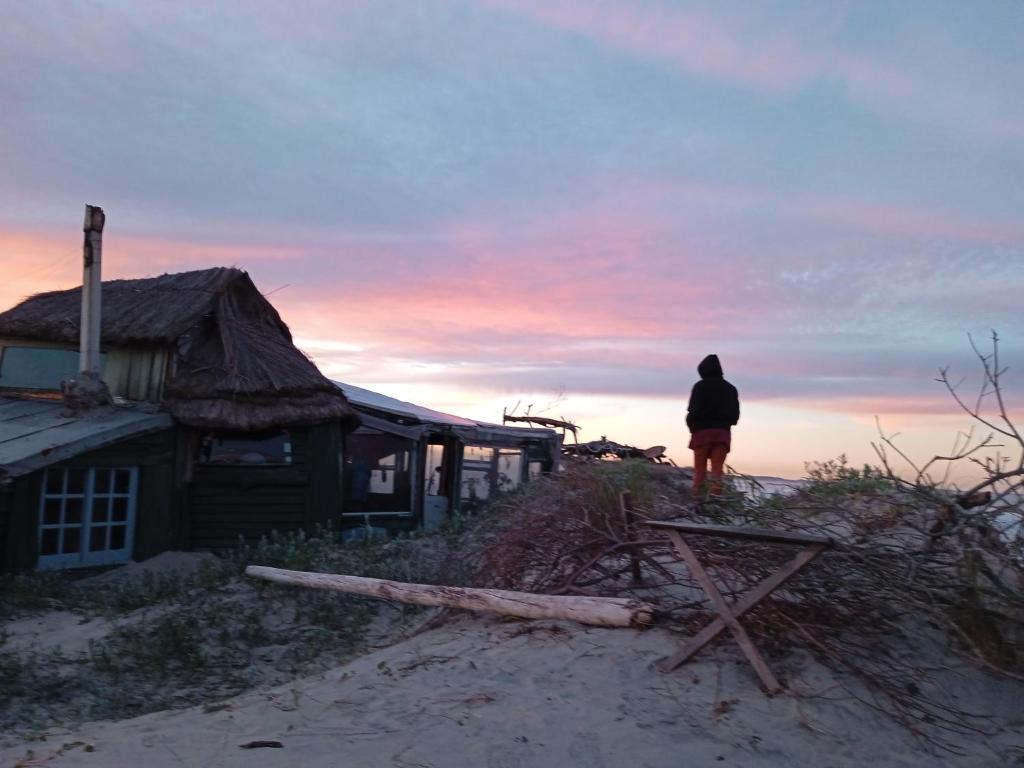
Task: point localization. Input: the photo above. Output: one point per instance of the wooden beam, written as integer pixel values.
(595, 611)
(732, 532)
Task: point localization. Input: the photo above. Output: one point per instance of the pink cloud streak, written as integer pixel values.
(779, 57)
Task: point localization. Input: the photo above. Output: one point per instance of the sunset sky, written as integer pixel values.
(554, 202)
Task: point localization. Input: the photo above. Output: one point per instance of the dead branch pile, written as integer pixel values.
(866, 609)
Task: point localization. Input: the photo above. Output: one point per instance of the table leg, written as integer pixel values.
(771, 685)
(765, 588)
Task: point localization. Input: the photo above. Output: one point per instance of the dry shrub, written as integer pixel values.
(868, 608)
(568, 531)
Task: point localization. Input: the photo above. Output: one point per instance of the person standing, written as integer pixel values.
(713, 409)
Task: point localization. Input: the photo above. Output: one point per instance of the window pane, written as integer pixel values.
(119, 509)
(38, 368)
(76, 481)
(475, 484)
(256, 448)
(100, 508)
(510, 469)
(73, 511)
(477, 453)
(101, 482)
(117, 536)
(98, 538)
(72, 540)
(122, 481)
(432, 478)
(378, 476)
(49, 544)
(54, 481)
(382, 481)
(51, 512)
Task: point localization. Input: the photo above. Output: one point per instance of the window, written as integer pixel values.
(86, 516)
(38, 367)
(477, 473)
(434, 469)
(247, 449)
(486, 471)
(378, 474)
(510, 469)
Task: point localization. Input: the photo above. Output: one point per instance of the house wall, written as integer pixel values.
(137, 373)
(134, 373)
(228, 502)
(157, 526)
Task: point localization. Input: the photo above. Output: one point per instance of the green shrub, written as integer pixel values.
(836, 478)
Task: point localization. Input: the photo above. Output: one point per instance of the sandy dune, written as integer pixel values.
(481, 692)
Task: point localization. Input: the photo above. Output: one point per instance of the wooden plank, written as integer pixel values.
(40, 450)
(11, 408)
(21, 537)
(28, 426)
(156, 519)
(748, 601)
(771, 685)
(323, 462)
(733, 532)
(239, 523)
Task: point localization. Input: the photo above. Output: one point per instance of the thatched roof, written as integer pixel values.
(235, 366)
(152, 309)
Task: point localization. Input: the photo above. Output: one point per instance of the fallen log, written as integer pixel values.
(596, 611)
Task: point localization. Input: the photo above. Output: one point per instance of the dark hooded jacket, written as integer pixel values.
(714, 402)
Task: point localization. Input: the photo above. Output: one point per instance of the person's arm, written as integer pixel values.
(735, 406)
(696, 403)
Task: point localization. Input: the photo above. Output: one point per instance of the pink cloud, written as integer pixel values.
(742, 49)
(779, 56)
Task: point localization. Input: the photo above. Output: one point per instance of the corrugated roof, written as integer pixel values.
(468, 429)
(36, 433)
(378, 402)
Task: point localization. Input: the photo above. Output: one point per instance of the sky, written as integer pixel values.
(563, 206)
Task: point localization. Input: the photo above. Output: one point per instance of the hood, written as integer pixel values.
(709, 367)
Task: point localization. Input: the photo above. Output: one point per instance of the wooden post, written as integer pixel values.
(92, 253)
(629, 526)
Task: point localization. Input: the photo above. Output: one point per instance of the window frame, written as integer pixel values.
(287, 449)
(85, 556)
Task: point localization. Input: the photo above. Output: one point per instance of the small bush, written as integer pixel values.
(836, 478)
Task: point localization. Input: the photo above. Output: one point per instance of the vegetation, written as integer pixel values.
(171, 640)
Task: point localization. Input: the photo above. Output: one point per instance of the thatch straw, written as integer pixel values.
(234, 363)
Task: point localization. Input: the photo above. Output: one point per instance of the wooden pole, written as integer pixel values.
(92, 254)
(595, 611)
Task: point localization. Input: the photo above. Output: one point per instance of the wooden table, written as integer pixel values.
(728, 615)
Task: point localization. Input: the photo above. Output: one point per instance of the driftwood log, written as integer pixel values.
(596, 611)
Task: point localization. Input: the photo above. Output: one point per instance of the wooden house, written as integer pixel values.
(408, 466)
(220, 426)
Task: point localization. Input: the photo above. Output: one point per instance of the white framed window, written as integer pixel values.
(87, 516)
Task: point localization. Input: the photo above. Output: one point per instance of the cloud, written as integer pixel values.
(780, 49)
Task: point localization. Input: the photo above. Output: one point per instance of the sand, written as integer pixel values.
(478, 692)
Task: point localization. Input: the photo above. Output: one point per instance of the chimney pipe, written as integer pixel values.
(92, 254)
